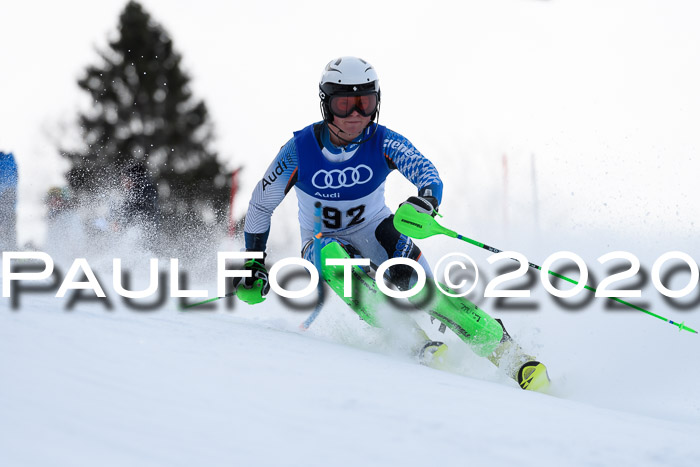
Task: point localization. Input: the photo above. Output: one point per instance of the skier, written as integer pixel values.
(8, 202)
(342, 162)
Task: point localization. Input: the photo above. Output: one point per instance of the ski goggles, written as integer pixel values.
(343, 106)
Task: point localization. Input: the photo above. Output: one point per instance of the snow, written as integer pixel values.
(191, 388)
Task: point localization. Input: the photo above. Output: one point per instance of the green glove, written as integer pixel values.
(253, 289)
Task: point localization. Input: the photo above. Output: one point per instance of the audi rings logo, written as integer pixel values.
(345, 178)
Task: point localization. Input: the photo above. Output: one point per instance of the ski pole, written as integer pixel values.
(209, 300)
(419, 225)
(317, 259)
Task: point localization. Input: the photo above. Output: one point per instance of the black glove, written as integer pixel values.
(253, 289)
(423, 204)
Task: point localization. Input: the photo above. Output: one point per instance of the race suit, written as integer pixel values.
(349, 182)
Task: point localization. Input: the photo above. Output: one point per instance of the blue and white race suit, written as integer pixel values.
(349, 182)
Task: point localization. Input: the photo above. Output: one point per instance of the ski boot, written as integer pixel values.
(432, 354)
(530, 374)
(427, 351)
(533, 376)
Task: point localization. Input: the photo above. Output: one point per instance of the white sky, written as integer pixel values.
(605, 93)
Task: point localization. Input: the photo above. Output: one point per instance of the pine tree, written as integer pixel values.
(143, 112)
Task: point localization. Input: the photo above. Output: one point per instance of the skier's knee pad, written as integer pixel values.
(398, 245)
(365, 297)
(473, 325)
(486, 332)
(337, 250)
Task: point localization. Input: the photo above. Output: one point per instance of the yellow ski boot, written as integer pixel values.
(533, 377)
(432, 354)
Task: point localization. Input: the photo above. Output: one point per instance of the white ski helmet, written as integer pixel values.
(347, 76)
